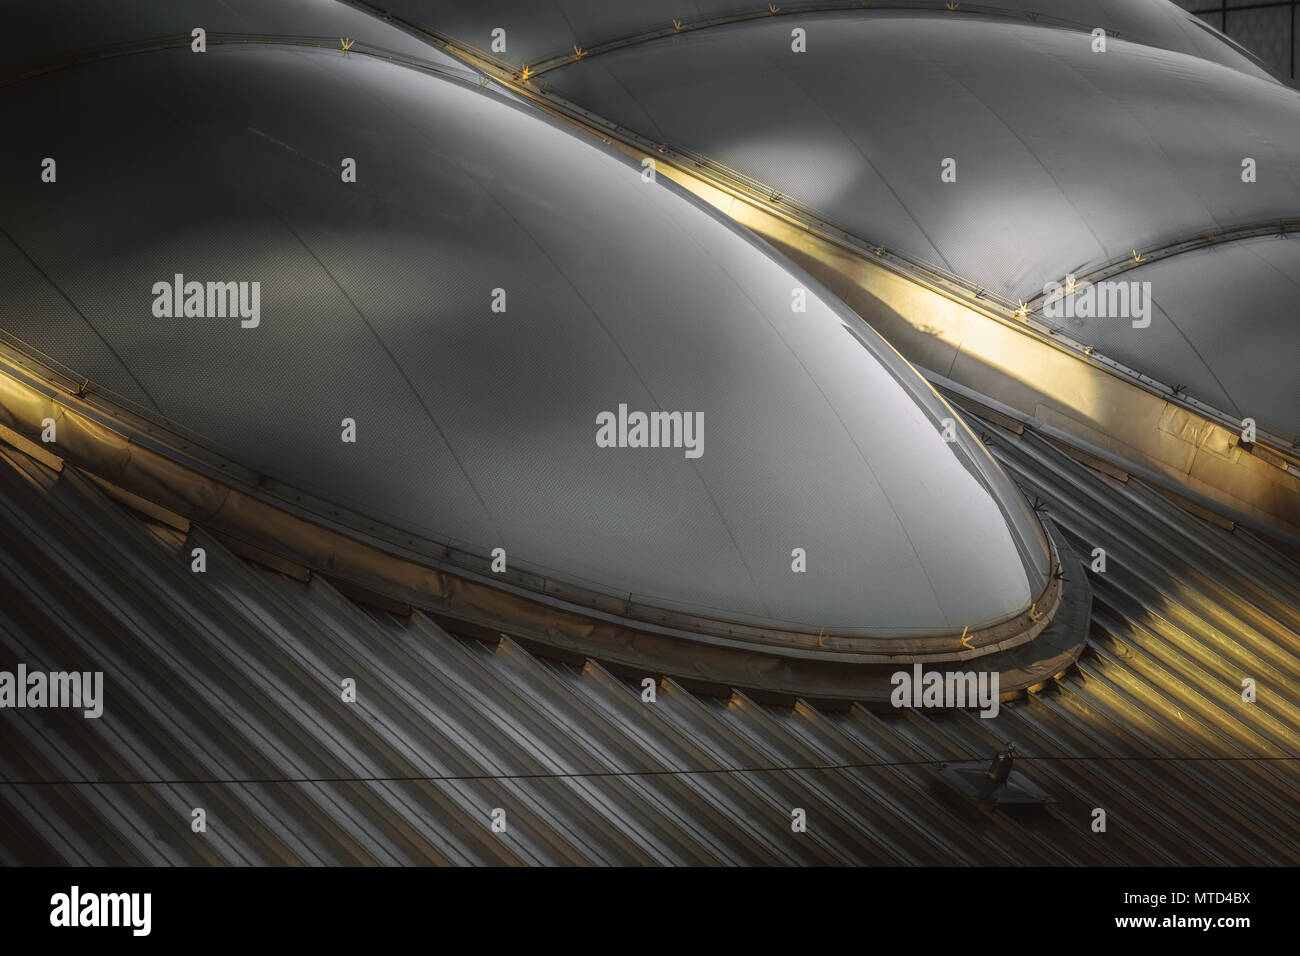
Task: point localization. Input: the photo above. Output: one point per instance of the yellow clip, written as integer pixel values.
(965, 641)
(578, 52)
(677, 26)
(346, 45)
(1022, 310)
(773, 8)
(1138, 258)
(526, 72)
(951, 4)
(1033, 613)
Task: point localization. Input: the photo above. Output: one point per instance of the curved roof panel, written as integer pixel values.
(51, 32)
(537, 31)
(1223, 325)
(477, 427)
(1066, 160)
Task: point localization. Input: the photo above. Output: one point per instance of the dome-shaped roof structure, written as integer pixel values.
(535, 33)
(478, 427)
(1222, 327)
(1066, 161)
(54, 33)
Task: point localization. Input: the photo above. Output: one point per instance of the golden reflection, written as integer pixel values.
(1025, 370)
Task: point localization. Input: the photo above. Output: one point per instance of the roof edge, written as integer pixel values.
(166, 471)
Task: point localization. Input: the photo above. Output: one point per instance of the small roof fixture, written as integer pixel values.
(996, 784)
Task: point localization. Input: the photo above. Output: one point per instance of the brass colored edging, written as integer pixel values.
(940, 325)
(252, 525)
(938, 332)
(745, 199)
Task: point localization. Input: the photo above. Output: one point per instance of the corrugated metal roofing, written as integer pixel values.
(222, 687)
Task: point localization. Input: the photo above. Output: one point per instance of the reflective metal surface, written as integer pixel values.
(1221, 328)
(539, 33)
(223, 688)
(1064, 158)
(1084, 398)
(478, 428)
(52, 33)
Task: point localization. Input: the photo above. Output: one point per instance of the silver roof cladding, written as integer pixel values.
(477, 427)
(1223, 326)
(50, 33)
(535, 31)
(1066, 160)
(234, 676)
